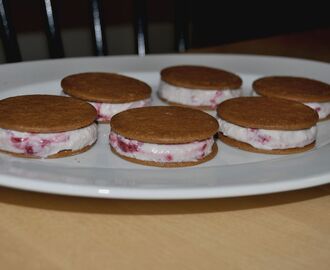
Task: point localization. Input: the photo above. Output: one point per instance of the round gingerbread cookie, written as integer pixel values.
(198, 86)
(313, 93)
(109, 93)
(267, 125)
(46, 126)
(164, 136)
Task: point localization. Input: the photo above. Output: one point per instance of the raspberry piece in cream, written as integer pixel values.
(46, 144)
(109, 93)
(313, 93)
(322, 108)
(105, 111)
(198, 86)
(161, 152)
(268, 139)
(164, 136)
(46, 126)
(267, 125)
(196, 97)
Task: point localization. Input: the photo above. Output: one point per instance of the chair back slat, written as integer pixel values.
(181, 25)
(97, 28)
(8, 34)
(53, 34)
(54, 39)
(140, 27)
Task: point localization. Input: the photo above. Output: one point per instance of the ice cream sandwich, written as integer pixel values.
(267, 125)
(164, 136)
(313, 93)
(109, 93)
(46, 126)
(198, 86)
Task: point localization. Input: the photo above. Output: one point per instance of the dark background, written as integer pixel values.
(212, 22)
(219, 22)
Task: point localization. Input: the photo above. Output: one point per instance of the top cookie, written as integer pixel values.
(105, 87)
(293, 88)
(200, 77)
(45, 113)
(164, 124)
(267, 113)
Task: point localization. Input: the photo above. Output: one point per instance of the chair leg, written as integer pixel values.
(140, 27)
(8, 34)
(54, 39)
(97, 28)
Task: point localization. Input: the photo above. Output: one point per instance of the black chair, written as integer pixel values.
(53, 33)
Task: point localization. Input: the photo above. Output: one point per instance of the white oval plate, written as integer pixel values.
(98, 173)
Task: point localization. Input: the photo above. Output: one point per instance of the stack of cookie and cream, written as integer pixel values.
(279, 118)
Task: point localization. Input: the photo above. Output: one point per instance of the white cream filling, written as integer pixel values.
(105, 111)
(195, 97)
(46, 144)
(322, 108)
(268, 139)
(161, 152)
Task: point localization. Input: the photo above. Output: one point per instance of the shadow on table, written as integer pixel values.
(136, 207)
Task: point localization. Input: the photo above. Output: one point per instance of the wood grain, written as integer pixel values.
(283, 231)
(313, 45)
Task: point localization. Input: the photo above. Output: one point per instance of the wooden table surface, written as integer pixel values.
(289, 230)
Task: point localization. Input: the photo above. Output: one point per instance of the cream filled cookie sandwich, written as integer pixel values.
(267, 125)
(313, 93)
(198, 86)
(46, 126)
(109, 93)
(164, 136)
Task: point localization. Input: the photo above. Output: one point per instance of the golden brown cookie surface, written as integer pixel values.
(267, 113)
(200, 77)
(105, 87)
(45, 113)
(293, 88)
(164, 124)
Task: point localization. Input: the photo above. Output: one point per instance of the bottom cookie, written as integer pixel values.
(250, 148)
(325, 119)
(64, 153)
(170, 164)
(203, 108)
